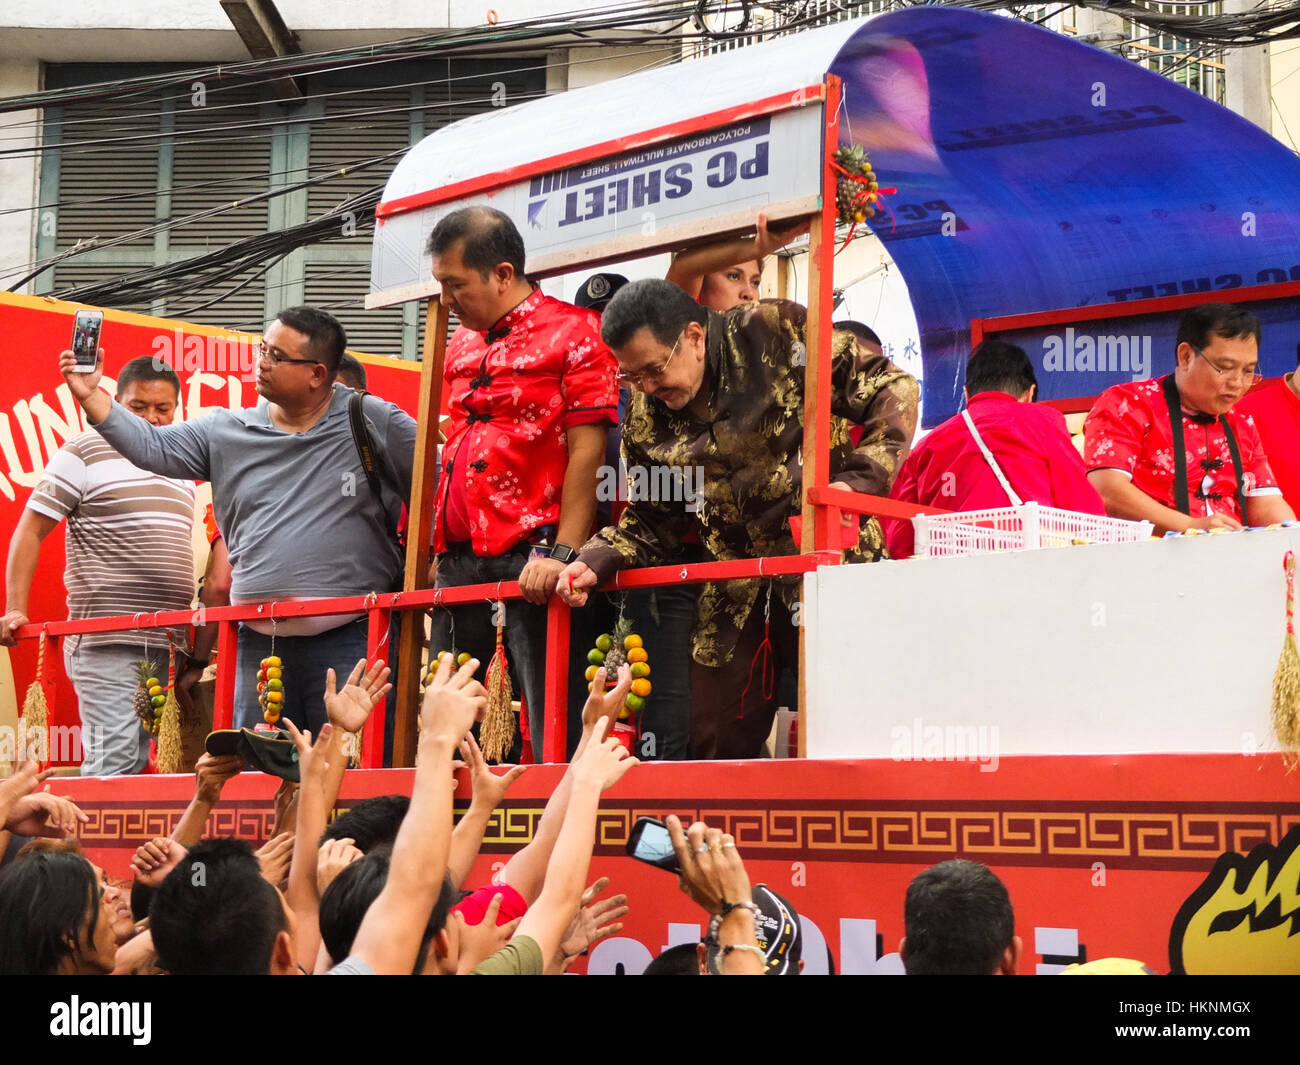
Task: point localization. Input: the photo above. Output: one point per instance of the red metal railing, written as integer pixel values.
(379, 609)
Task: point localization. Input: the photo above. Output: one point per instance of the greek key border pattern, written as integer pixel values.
(1156, 837)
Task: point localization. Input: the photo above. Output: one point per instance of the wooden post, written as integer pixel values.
(419, 533)
(818, 535)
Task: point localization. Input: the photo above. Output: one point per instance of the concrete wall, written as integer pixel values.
(18, 173)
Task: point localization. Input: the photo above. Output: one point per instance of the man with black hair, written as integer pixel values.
(288, 488)
(530, 396)
(369, 823)
(345, 902)
(351, 373)
(1275, 410)
(215, 914)
(958, 922)
(720, 399)
(1204, 468)
(112, 507)
(1003, 449)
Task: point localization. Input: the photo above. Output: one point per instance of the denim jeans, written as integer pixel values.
(663, 617)
(305, 660)
(470, 628)
(112, 738)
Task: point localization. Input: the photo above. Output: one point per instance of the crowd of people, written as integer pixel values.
(692, 378)
(382, 888)
(689, 373)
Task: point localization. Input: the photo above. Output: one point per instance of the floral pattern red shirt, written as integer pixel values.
(1128, 430)
(510, 402)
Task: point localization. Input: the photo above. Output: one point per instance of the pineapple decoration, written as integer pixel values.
(611, 652)
(858, 195)
(150, 697)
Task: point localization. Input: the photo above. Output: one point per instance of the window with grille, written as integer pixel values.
(155, 180)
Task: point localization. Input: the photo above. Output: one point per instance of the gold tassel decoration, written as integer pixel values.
(497, 733)
(36, 709)
(170, 753)
(1286, 681)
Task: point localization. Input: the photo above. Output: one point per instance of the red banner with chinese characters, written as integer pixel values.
(38, 415)
(1103, 856)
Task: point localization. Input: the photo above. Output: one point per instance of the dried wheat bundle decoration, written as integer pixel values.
(1286, 681)
(170, 754)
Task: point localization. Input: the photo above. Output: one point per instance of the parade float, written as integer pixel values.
(1092, 720)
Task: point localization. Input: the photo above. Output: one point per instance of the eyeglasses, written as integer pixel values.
(636, 377)
(276, 356)
(1251, 377)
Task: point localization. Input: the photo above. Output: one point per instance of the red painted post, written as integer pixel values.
(223, 711)
(555, 743)
(372, 743)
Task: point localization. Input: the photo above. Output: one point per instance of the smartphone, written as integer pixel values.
(651, 843)
(86, 327)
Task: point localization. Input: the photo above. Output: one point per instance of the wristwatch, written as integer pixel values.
(563, 553)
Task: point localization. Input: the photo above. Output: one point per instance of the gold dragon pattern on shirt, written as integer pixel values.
(750, 454)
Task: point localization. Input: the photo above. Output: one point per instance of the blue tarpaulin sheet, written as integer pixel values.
(1035, 172)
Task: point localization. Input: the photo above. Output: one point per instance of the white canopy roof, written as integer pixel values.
(570, 121)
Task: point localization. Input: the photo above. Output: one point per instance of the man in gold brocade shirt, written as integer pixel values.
(719, 415)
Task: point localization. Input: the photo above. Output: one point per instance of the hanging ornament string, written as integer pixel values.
(497, 733)
(270, 682)
(762, 659)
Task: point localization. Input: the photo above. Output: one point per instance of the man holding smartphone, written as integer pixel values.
(291, 497)
(112, 508)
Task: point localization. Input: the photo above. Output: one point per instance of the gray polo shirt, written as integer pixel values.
(299, 517)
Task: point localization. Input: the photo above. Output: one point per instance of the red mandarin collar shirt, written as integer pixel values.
(1128, 430)
(1275, 410)
(510, 402)
(1030, 443)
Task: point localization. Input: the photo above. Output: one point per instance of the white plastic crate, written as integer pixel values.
(1022, 528)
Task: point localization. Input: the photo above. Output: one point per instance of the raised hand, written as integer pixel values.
(453, 702)
(211, 773)
(603, 761)
(313, 758)
(334, 856)
(606, 704)
(350, 708)
(711, 870)
(489, 789)
(593, 922)
(81, 385)
(274, 856)
(482, 940)
(155, 859)
(43, 814)
(23, 782)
